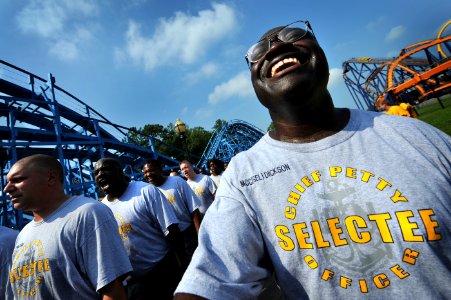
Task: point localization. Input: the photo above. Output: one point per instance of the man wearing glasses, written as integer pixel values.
(311, 204)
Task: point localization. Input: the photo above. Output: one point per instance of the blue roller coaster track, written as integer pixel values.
(37, 116)
(232, 138)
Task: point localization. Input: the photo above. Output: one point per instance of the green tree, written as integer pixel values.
(167, 142)
(219, 124)
(197, 140)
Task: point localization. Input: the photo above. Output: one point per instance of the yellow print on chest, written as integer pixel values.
(198, 191)
(27, 272)
(169, 196)
(124, 228)
(344, 222)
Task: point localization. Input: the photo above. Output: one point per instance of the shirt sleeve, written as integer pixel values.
(228, 263)
(192, 201)
(100, 246)
(160, 208)
(211, 186)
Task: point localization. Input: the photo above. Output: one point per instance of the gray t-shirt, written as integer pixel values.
(7, 240)
(204, 188)
(182, 199)
(71, 254)
(363, 213)
(143, 216)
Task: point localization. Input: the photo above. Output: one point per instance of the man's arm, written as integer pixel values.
(113, 291)
(196, 220)
(175, 239)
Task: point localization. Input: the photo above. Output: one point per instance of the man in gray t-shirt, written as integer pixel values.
(148, 227)
(202, 185)
(7, 240)
(70, 250)
(182, 199)
(336, 203)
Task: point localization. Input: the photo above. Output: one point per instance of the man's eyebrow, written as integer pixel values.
(16, 177)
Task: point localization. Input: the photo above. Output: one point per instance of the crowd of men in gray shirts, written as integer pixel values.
(67, 250)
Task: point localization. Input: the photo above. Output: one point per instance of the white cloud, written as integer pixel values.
(377, 24)
(395, 33)
(61, 23)
(181, 39)
(335, 77)
(204, 113)
(206, 71)
(64, 50)
(238, 86)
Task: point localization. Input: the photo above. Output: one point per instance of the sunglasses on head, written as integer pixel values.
(287, 34)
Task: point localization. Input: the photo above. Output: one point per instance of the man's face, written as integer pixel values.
(214, 168)
(187, 170)
(152, 173)
(25, 187)
(108, 176)
(290, 73)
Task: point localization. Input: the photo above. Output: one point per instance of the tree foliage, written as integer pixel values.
(219, 124)
(166, 141)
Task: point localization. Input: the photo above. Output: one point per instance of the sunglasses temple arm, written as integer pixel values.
(309, 27)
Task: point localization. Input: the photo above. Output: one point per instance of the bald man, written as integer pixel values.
(61, 253)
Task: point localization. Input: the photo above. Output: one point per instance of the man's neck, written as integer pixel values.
(310, 129)
(114, 195)
(160, 181)
(52, 206)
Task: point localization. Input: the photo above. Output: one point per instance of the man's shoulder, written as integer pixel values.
(7, 234)
(206, 178)
(175, 181)
(410, 129)
(138, 188)
(85, 205)
(139, 184)
(199, 177)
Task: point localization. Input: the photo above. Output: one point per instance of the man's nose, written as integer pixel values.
(7, 188)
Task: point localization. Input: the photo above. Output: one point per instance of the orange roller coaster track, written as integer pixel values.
(422, 70)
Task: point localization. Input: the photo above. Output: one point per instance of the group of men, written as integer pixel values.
(73, 241)
(308, 205)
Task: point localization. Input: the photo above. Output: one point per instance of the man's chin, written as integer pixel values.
(106, 189)
(17, 205)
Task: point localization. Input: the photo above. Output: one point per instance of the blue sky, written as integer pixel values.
(152, 61)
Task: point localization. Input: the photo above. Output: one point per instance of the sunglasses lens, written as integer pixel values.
(291, 35)
(258, 50)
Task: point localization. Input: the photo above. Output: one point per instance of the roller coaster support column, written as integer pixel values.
(53, 104)
(99, 137)
(12, 149)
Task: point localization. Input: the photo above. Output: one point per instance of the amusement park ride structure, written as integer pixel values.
(37, 116)
(421, 71)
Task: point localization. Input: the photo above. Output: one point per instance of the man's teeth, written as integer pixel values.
(276, 67)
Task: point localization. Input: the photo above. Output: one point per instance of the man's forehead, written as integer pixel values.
(106, 163)
(271, 32)
(13, 171)
(17, 169)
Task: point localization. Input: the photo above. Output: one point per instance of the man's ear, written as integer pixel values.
(52, 177)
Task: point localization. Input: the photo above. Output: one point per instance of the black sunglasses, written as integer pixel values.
(287, 34)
